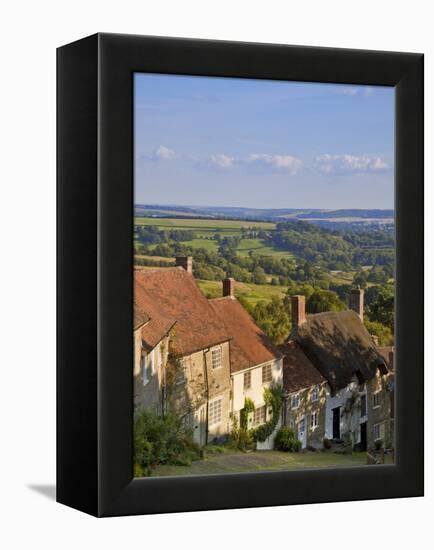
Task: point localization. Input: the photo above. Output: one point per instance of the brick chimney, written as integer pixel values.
(186, 262)
(298, 310)
(355, 301)
(228, 287)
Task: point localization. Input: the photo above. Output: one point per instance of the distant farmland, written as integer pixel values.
(205, 229)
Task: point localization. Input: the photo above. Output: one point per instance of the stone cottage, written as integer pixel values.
(342, 350)
(190, 348)
(255, 363)
(380, 403)
(306, 396)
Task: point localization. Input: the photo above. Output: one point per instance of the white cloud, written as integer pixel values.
(164, 153)
(348, 90)
(222, 161)
(160, 153)
(341, 164)
(286, 163)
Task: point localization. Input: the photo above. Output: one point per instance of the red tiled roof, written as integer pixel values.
(298, 371)
(171, 297)
(140, 318)
(249, 345)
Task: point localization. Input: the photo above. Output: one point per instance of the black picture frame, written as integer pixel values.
(95, 294)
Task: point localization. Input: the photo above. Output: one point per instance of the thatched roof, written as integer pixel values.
(339, 346)
(298, 372)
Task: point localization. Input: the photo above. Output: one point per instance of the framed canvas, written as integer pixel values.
(240, 275)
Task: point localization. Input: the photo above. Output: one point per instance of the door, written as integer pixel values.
(302, 434)
(199, 433)
(363, 436)
(336, 423)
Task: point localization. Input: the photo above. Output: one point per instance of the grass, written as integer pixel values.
(212, 225)
(230, 461)
(251, 292)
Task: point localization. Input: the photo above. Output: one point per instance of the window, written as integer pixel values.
(295, 401)
(216, 357)
(363, 405)
(144, 366)
(378, 431)
(315, 393)
(247, 380)
(215, 412)
(266, 374)
(259, 415)
(376, 398)
(314, 420)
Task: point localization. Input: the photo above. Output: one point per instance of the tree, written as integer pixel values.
(259, 276)
(383, 310)
(324, 300)
(383, 333)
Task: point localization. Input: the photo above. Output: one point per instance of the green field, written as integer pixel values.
(231, 462)
(206, 229)
(251, 292)
(211, 225)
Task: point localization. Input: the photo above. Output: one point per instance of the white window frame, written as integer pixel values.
(295, 400)
(262, 413)
(144, 367)
(376, 399)
(249, 375)
(315, 394)
(216, 353)
(314, 420)
(267, 368)
(215, 408)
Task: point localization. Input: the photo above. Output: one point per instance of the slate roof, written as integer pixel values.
(249, 345)
(172, 299)
(339, 346)
(298, 371)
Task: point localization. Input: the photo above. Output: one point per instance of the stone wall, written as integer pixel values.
(313, 436)
(380, 409)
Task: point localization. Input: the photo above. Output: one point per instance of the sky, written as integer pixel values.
(208, 141)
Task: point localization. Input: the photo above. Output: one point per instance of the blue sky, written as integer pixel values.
(262, 144)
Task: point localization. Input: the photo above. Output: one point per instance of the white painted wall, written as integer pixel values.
(256, 391)
(348, 422)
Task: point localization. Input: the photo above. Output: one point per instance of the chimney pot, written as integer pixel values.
(228, 287)
(355, 301)
(185, 262)
(298, 310)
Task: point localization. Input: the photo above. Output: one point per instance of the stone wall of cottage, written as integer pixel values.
(380, 412)
(314, 436)
(148, 386)
(219, 391)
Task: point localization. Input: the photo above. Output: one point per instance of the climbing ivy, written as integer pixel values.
(273, 398)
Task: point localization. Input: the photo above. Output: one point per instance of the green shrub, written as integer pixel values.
(378, 444)
(161, 440)
(287, 441)
(327, 443)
